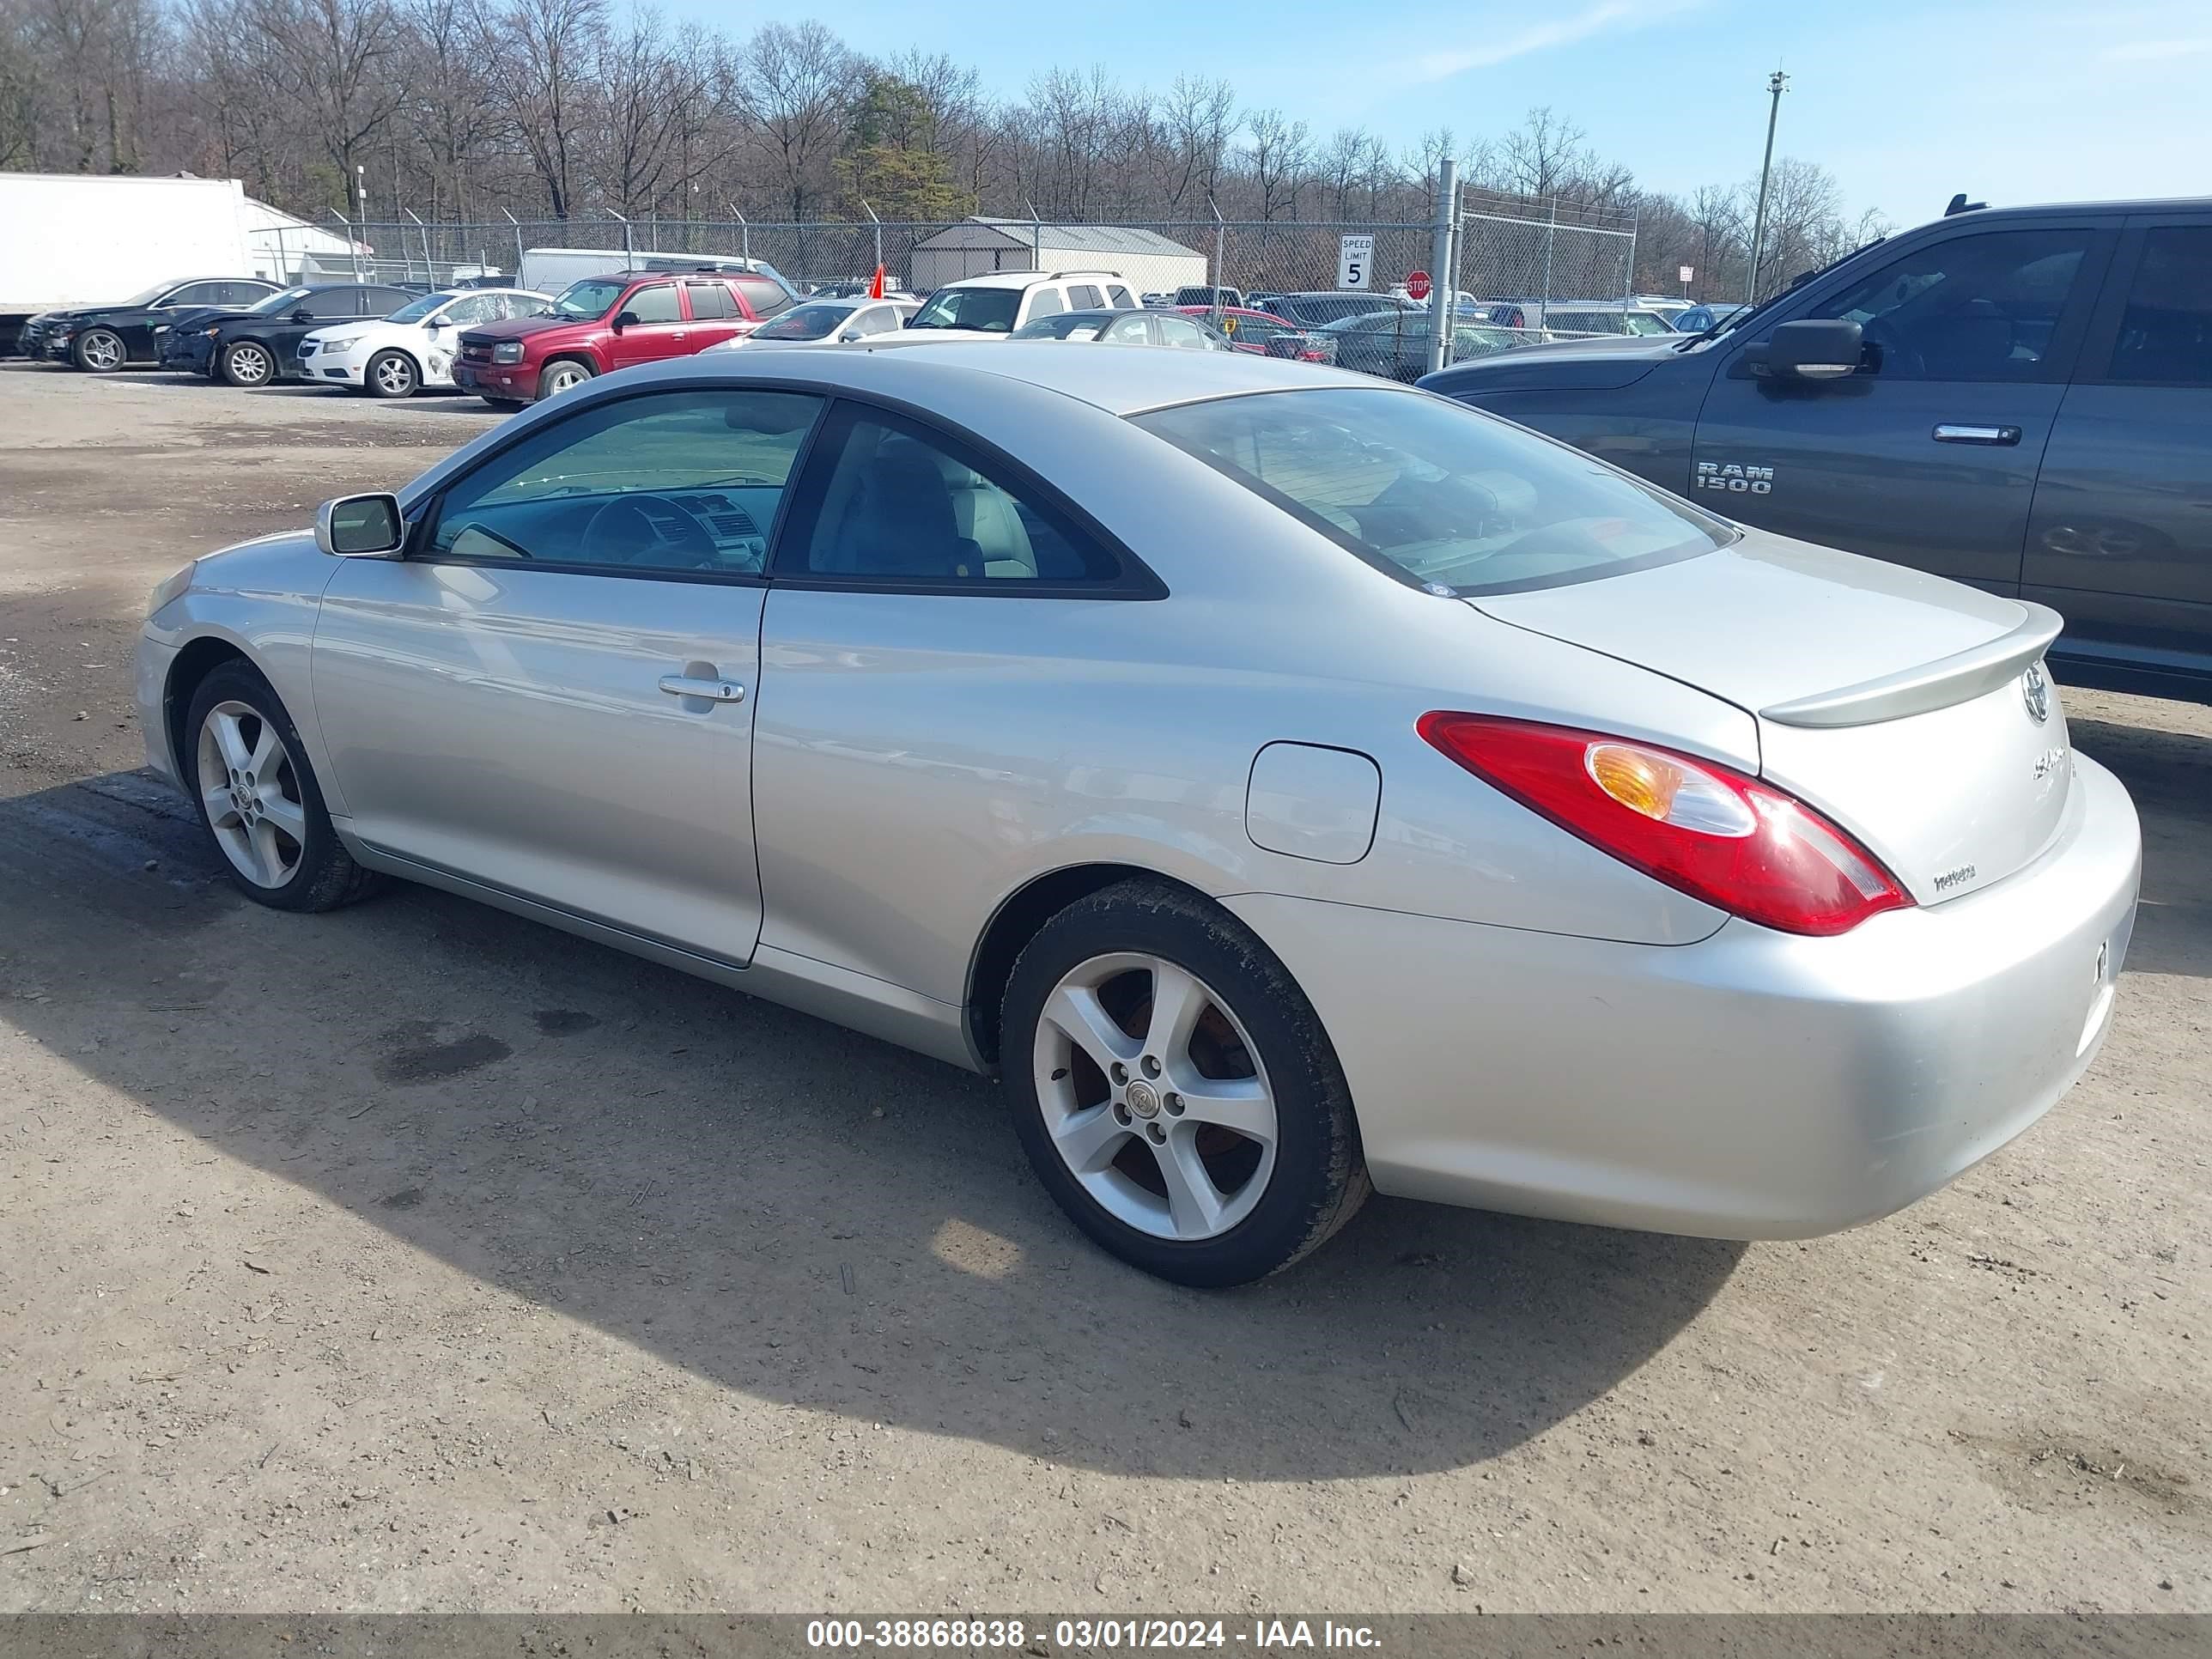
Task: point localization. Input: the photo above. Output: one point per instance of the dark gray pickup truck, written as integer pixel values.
(2020, 398)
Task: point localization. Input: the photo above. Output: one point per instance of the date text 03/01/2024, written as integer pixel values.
(1256, 1636)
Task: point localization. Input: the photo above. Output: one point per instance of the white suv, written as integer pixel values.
(991, 306)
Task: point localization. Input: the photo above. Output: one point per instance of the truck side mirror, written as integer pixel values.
(624, 319)
(1817, 348)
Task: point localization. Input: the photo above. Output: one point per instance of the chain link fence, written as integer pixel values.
(1522, 271)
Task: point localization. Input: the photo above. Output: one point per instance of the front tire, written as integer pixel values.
(246, 364)
(562, 376)
(1174, 1090)
(99, 351)
(391, 375)
(249, 776)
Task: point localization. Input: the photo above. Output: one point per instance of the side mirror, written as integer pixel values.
(359, 526)
(849, 335)
(1818, 349)
(436, 324)
(301, 314)
(624, 319)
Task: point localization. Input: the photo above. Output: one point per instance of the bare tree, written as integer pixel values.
(1278, 156)
(795, 84)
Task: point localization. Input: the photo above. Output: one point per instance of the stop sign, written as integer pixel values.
(1417, 284)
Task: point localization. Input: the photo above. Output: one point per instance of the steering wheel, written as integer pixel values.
(623, 532)
(1896, 351)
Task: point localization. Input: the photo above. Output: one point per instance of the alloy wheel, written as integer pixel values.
(251, 791)
(561, 377)
(1154, 1096)
(248, 364)
(395, 376)
(102, 351)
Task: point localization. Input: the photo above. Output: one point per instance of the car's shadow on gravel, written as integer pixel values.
(789, 1210)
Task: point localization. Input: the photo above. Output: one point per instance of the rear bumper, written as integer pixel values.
(1754, 1084)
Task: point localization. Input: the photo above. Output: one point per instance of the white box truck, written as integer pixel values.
(71, 239)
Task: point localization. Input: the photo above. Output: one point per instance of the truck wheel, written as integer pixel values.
(99, 351)
(246, 363)
(562, 376)
(391, 374)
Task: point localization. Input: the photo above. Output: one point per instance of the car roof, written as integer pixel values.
(1117, 382)
(1028, 278)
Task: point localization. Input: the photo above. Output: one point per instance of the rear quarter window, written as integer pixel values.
(1435, 493)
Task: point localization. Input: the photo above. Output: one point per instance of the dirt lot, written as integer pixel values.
(418, 1257)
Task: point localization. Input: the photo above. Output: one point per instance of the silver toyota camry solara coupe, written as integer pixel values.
(1289, 782)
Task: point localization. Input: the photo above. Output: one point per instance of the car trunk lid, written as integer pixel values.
(1903, 706)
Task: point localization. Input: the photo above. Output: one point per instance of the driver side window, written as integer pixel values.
(1971, 307)
(670, 481)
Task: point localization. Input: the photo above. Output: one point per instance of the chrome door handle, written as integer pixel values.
(1950, 433)
(682, 685)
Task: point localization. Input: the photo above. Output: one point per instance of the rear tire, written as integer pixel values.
(256, 797)
(391, 375)
(1211, 1148)
(99, 351)
(564, 375)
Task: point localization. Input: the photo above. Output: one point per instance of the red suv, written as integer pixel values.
(1265, 335)
(610, 322)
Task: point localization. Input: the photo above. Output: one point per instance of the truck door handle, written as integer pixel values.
(684, 685)
(1950, 433)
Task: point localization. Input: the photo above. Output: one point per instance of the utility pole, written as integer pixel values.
(1776, 84)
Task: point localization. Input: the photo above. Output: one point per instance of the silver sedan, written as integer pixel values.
(1287, 782)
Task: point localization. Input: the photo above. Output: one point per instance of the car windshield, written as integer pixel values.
(416, 310)
(1433, 492)
(282, 300)
(589, 298)
(991, 309)
(806, 323)
(148, 297)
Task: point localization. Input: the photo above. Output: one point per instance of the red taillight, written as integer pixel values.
(1714, 832)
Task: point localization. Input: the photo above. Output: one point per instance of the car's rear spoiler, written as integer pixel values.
(1937, 684)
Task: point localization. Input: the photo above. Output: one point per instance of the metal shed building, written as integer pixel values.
(1148, 261)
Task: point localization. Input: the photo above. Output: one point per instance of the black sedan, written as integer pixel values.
(1395, 343)
(100, 339)
(258, 347)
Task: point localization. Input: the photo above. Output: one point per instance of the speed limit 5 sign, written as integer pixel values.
(1355, 256)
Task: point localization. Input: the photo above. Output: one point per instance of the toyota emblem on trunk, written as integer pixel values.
(2035, 690)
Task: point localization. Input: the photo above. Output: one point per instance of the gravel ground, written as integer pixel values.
(418, 1257)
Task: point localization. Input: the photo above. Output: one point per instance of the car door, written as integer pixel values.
(1176, 330)
(925, 590)
(1926, 455)
(442, 332)
(2120, 539)
(552, 694)
(653, 327)
(714, 314)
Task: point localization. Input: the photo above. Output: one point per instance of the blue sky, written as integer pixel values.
(2013, 100)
